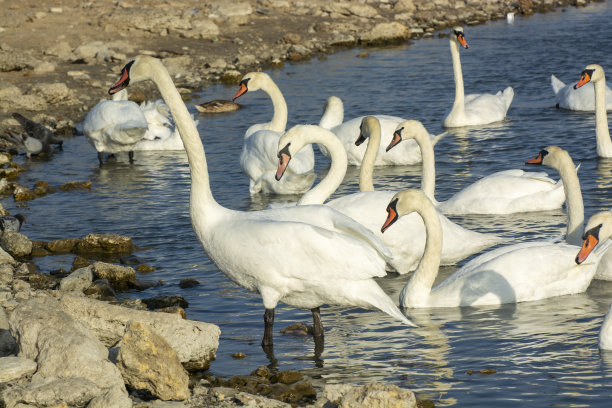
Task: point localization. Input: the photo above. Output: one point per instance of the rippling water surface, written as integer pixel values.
(545, 353)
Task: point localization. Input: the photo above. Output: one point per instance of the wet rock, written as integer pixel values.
(148, 362)
(140, 284)
(8, 345)
(51, 392)
(61, 345)
(195, 342)
(104, 243)
(173, 309)
(373, 395)
(22, 193)
(165, 301)
(115, 398)
(78, 280)
(76, 185)
(188, 283)
(299, 392)
(257, 401)
(238, 356)
(42, 281)
(79, 262)
(134, 304)
(297, 329)
(287, 377)
(130, 260)
(15, 368)
(142, 268)
(62, 246)
(118, 276)
(16, 244)
(100, 289)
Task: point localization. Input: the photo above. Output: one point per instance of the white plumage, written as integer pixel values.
(581, 99)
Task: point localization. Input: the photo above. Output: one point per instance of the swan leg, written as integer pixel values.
(317, 325)
(100, 158)
(131, 156)
(268, 323)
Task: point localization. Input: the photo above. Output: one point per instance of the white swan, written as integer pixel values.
(503, 192)
(114, 126)
(598, 230)
(582, 99)
(258, 156)
(366, 207)
(595, 73)
(473, 109)
(304, 256)
(510, 274)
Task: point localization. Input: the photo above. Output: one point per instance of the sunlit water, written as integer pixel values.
(545, 353)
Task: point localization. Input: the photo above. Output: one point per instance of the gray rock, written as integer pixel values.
(115, 398)
(373, 395)
(195, 342)
(62, 346)
(384, 33)
(105, 243)
(230, 9)
(257, 401)
(116, 274)
(148, 362)
(44, 67)
(15, 368)
(404, 5)
(6, 272)
(51, 392)
(8, 345)
(61, 49)
(205, 29)
(16, 244)
(78, 280)
(55, 93)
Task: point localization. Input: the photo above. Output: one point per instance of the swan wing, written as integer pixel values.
(556, 84)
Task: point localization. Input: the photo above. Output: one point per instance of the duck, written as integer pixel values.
(258, 155)
(348, 131)
(581, 99)
(473, 109)
(303, 256)
(597, 230)
(407, 242)
(521, 272)
(504, 192)
(595, 73)
(114, 126)
(218, 106)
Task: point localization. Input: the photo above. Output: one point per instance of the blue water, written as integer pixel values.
(545, 353)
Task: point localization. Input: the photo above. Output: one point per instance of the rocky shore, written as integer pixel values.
(65, 339)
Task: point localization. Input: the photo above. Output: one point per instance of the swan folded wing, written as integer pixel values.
(556, 84)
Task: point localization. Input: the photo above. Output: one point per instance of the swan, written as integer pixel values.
(503, 192)
(515, 273)
(117, 125)
(595, 73)
(258, 156)
(407, 242)
(473, 109)
(567, 97)
(304, 256)
(598, 229)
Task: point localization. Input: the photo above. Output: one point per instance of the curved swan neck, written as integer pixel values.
(602, 132)
(332, 180)
(366, 172)
(428, 178)
(573, 200)
(418, 288)
(200, 183)
(459, 91)
(279, 119)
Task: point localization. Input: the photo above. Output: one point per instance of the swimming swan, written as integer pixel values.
(510, 274)
(304, 256)
(258, 156)
(408, 240)
(595, 73)
(473, 109)
(581, 99)
(503, 192)
(598, 230)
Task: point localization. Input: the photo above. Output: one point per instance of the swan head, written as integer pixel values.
(591, 73)
(458, 36)
(598, 229)
(137, 70)
(253, 81)
(405, 130)
(403, 203)
(551, 156)
(369, 127)
(292, 141)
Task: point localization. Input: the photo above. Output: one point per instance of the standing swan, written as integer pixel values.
(408, 240)
(510, 274)
(598, 229)
(473, 109)
(595, 73)
(503, 192)
(304, 256)
(258, 156)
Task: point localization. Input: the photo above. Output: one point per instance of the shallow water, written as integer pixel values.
(545, 353)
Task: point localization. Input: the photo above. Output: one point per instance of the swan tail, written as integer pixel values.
(556, 84)
(384, 303)
(508, 95)
(437, 138)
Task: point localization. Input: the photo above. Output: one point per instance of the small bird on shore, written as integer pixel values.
(38, 131)
(28, 144)
(12, 223)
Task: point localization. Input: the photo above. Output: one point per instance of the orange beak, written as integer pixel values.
(391, 216)
(462, 40)
(536, 160)
(283, 162)
(123, 81)
(241, 91)
(584, 79)
(587, 247)
(397, 137)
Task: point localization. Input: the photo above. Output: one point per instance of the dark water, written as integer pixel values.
(545, 353)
